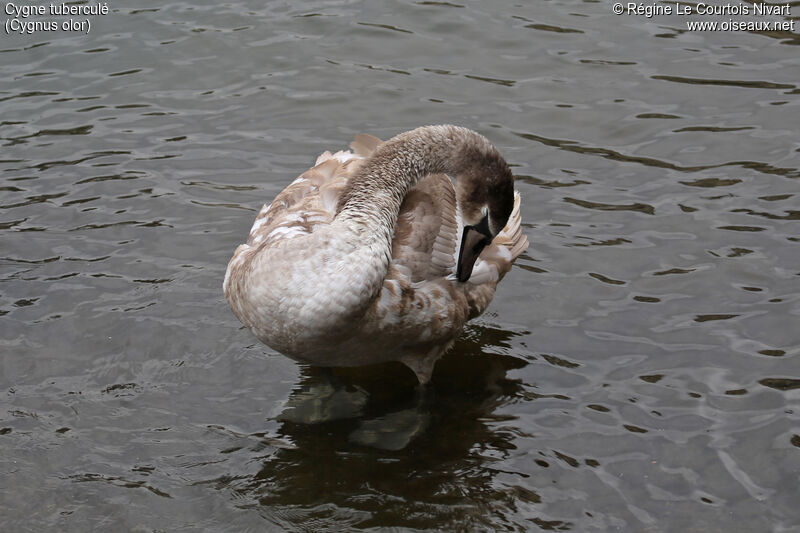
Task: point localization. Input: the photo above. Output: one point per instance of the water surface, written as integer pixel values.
(639, 369)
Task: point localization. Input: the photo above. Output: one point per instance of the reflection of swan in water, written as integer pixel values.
(388, 455)
(328, 399)
(386, 416)
(334, 461)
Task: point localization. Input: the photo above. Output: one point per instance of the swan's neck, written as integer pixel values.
(373, 196)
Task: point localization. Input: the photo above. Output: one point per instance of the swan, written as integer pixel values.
(375, 255)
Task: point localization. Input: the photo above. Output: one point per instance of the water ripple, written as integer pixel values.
(643, 350)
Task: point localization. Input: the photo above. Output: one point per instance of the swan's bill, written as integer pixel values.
(473, 240)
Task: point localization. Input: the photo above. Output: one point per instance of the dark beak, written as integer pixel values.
(473, 241)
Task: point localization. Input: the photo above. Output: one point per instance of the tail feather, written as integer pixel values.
(364, 144)
(511, 236)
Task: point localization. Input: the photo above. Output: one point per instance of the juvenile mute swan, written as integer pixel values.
(375, 256)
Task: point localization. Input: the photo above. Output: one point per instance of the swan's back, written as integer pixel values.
(310, 200)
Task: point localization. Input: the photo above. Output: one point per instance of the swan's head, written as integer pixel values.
(484, 183)
(485, 190)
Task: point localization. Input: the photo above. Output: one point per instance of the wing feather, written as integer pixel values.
(310, 200)
(426, 230)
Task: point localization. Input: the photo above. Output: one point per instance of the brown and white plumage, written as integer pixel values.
(358, 260)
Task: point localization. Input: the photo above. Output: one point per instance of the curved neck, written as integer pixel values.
(373, 196)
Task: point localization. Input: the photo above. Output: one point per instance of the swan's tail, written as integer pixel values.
(511, 236)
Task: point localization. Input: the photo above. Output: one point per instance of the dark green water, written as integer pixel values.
(639, 369)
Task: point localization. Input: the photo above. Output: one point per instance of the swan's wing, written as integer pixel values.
(425, 235)
(312, 198)
(417, 303)
(307, 202)
(436, 307)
